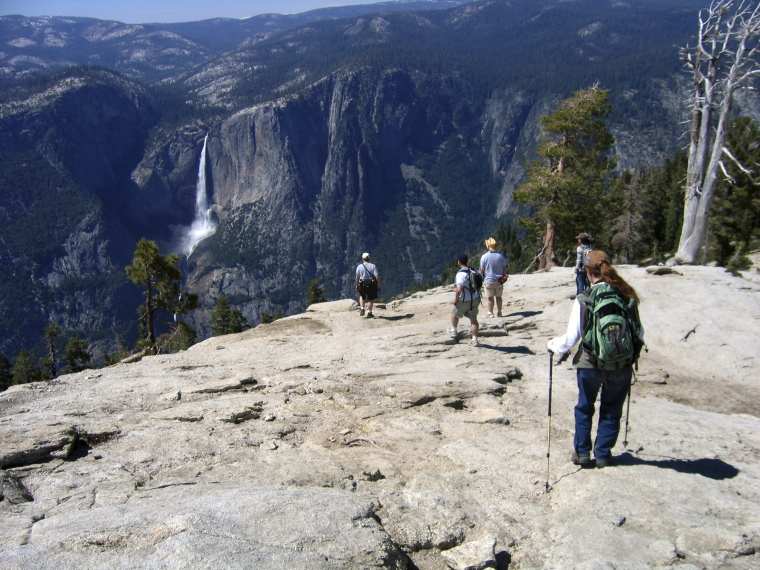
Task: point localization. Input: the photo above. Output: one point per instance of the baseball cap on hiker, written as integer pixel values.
(365, 255)
(594, 258)
(462, 258)
(491, 244)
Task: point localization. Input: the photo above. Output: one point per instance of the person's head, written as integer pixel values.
(599, 268)
(463, 259)
(365, 256)
(583, 238)
(491, 244)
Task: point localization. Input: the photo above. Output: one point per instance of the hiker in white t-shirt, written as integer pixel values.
(367, 280)
(493, 267)
(465, 303)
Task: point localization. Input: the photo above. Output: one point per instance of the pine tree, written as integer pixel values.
(626, 228)
(569, 187)
(25, 368)
(225, 319)
(76, 355)
(314, 292)
(50, 362)
(736, 210)
(160, 277)
(6, 373)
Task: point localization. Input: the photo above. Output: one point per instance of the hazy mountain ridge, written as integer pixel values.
(149, 51)
(380, 133)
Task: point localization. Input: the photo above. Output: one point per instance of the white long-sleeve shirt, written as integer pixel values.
(563, 344)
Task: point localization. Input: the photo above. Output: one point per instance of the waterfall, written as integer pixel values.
(203, 224)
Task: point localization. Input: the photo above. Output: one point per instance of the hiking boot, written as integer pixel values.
(489, 315)
(602, 463)
(370, 315)
(453, 333)
(498, 314)
(361, 312)
(582, 460)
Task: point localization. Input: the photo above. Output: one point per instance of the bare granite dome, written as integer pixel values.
(324, 440)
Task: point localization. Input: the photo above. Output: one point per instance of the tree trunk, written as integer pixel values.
(547, 260)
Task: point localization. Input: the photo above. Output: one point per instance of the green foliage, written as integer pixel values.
(50, 362)
(122, 351)
(6, 373)
(569, 189)
(735, 214)
(25, 368)
(181, 337)
(160, 277)
(314, 292)
(267, 317)
(225, 319)
(77, 355)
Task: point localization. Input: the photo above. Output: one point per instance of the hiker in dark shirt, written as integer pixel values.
(614, 384)
(367, 280)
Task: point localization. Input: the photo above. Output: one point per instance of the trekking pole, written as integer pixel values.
(549, 431)
(627, 412)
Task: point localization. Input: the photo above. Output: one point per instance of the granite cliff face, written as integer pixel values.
(305, 184)
(68, 151)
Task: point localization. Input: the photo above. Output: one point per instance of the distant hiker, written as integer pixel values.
(606, 321)
(583, 246)
(466, 299)
(493, 266)
(367, 284)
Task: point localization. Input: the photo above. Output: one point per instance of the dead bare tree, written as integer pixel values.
(724, 61)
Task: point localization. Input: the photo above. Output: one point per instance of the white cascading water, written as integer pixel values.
(203, 225)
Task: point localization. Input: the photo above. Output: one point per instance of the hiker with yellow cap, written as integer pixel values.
(493, 267)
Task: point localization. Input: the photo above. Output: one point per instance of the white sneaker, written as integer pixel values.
(474, 341)
(489, 314)
(453, 333)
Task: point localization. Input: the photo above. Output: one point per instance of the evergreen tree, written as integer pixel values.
(77, 355)
(25, 368)
(736, 210)
(314, 292)
(225, 319)
(181, 337)
(160, 277)
(626, 228)
(6, 373)
(267, 317)
(569, 187)
(50, 361)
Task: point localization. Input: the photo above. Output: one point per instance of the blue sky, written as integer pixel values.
(147, 11)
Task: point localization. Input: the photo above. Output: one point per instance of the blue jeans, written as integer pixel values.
(614, 392)
(581, 283)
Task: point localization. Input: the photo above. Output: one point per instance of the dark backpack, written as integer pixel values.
(611, 333)
(474, 283)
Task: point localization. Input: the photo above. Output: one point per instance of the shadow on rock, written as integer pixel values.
(398, 318)
(509, 349)
(710, 468)
(524, 314)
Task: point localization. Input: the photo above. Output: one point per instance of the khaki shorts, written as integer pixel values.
(462, 310)
(494, 290)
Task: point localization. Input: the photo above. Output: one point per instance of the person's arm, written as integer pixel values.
(578, 259)
(377, 278)
(563, 344)
(457, 293)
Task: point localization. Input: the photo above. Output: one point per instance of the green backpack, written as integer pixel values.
(611, 335)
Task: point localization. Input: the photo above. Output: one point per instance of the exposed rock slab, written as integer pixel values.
(324, 440)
